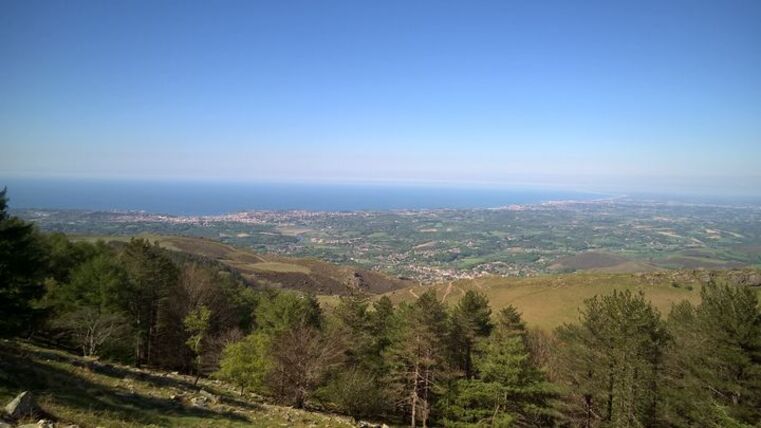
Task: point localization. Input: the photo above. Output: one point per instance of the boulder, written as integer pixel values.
(21, 406)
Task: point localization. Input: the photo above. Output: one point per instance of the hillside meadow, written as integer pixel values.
(548, 301)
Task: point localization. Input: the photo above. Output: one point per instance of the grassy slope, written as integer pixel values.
(548, 301)
(303, 274)
(545, 301)
(78, 391)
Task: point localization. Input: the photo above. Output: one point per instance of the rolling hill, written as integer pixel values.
(308, 275)
(546, 301)
(550, 300)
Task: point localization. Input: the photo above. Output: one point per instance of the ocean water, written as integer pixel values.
(210, 198)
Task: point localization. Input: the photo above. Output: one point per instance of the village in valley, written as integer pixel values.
(617, 235)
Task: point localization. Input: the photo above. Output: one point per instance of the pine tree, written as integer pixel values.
(354, 320)
(714, 367)
(287, 309)
(23, 264)
(612, 362)
(152, 278)
(471, 321)
(417, 357)
(507, 389)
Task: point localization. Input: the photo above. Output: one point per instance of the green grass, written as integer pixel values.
(72, 390)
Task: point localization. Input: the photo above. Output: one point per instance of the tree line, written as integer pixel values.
(422, 363)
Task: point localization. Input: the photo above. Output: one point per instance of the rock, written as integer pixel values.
(209, 395)
(200, 402)
(22, 405)
(5, 425)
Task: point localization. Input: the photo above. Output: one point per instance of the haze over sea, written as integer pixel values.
(211, 198)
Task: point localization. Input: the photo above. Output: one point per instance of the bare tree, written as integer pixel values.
(91, 328)
(302, 356)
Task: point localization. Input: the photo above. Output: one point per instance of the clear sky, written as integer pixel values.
(654, 95)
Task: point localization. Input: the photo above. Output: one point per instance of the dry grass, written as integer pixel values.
(304, 274)
(280, 267)
(549, 301)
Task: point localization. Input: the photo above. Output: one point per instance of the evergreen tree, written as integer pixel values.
(354, 320)
(86, 307)
(508, 390)
(417, 357)
(612, 362)
(152, 280)
(287, 309)
(471, 321)
(23, 264)
(381, 324)
(95, 283)
(714, 367)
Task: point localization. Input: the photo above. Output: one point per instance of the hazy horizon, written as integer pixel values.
(592, 96)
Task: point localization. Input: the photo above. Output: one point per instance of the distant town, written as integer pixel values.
(617, 235)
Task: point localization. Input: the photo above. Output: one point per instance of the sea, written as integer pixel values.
(188, 198)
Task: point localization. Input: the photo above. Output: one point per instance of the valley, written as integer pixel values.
(432, 246)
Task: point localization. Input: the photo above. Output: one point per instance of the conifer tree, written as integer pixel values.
(416, 357)
(714, 365)
(612, 362)
(152, 276)
(471, 321)
(23, 264)
(507, 390)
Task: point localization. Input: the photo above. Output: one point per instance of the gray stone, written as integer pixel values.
(200, 402)
(209, 395)
(22, 405)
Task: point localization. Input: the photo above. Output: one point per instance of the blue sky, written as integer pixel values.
(646, 95)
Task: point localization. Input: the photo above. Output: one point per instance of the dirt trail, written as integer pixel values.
(446, 292)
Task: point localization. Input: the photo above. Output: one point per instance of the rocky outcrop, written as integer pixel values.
(23, 405)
